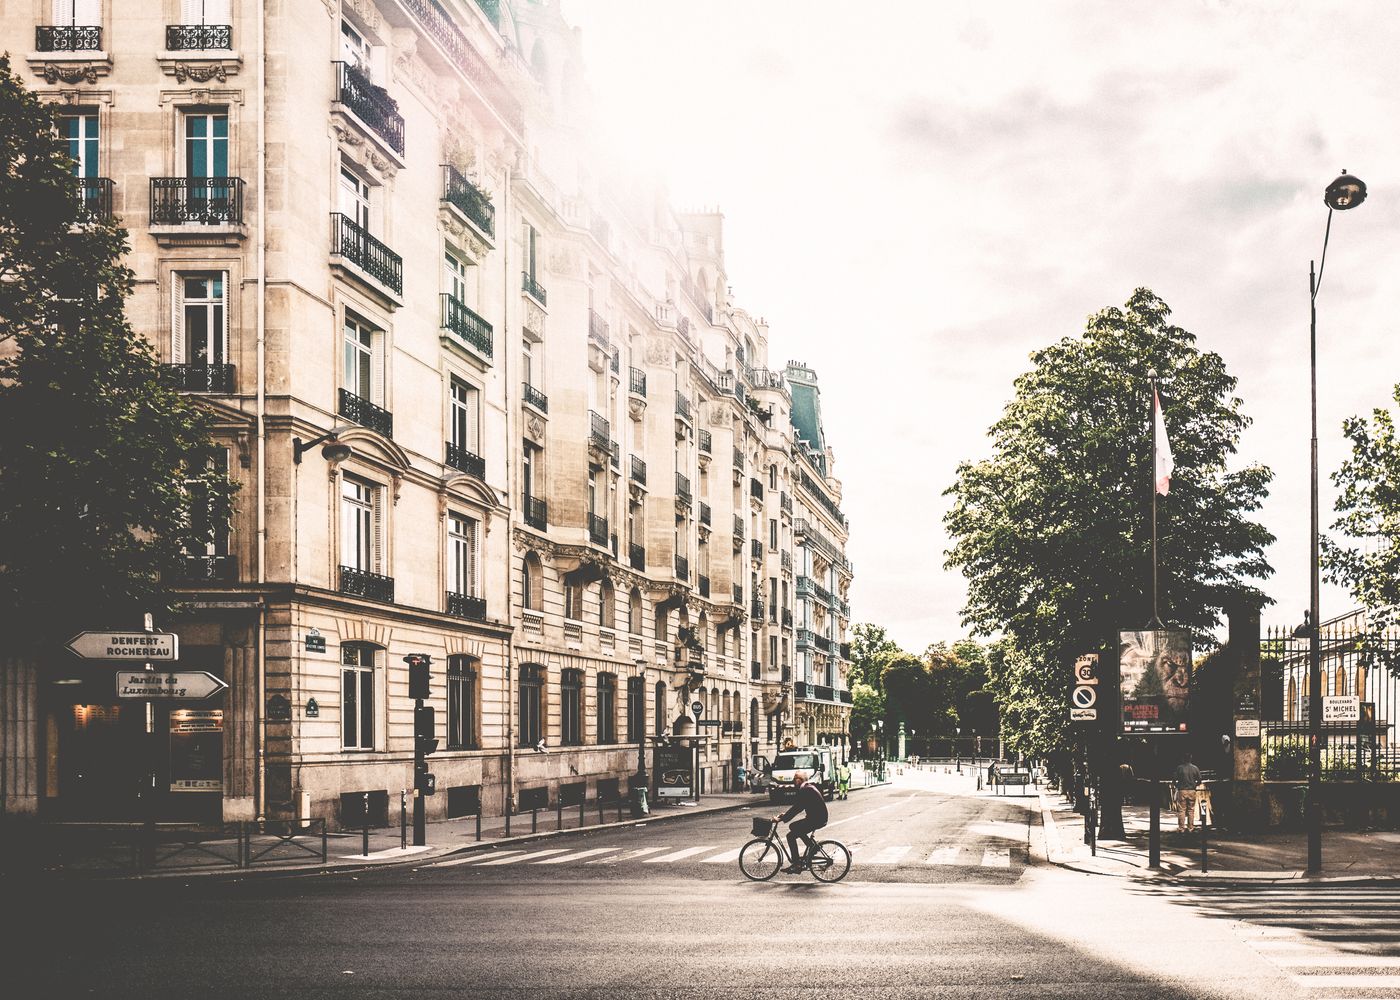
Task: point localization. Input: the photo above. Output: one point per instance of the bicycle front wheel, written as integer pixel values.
(830, 861)
(760, 860)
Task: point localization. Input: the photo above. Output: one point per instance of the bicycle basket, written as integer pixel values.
(762, 827)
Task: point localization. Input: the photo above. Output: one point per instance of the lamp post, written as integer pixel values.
(1344, 193)
(957, 746)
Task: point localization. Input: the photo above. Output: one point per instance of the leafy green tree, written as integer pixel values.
(1053, 530)
(867, 705)
(105, 471)
(871, 651)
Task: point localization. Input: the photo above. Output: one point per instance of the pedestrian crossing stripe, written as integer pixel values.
(991, 857)
(678, 855)
(728, 857)
(943, 856)
(576, 856)
(523, 857)
(890, 855)
(627, 856)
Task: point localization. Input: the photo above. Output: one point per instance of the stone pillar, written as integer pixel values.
(19, 737)
(901, 741)
(1246, 802)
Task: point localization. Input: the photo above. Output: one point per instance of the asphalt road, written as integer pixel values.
(945, 899)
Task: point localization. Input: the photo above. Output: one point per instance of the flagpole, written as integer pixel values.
(1156, 620)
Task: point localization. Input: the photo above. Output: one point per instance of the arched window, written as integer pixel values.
(753, 719)
(1339, 682)
(607, 605)
(663, 632)
(529, 725)
(1292, 699)
(573, 600)
(702, 632)
(532, 584)
(659, 708)
(634, 612)
(1361, 681)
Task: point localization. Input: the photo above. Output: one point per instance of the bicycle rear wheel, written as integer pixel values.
(760, 860)
(830, 861)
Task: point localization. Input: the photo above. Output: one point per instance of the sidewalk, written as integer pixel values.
(1264, 858)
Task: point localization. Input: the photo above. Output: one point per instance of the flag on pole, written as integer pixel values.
(1162, 463)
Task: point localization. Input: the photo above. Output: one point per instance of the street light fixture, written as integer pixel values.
(1346, 192)
(334, 451)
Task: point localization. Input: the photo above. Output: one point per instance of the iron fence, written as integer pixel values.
(125, 848)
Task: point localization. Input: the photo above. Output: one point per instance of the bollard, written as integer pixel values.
(366, 821)
(508, 812)
(559, 812)
(1205, 851)
(534, 819)
(403, 818)
(478, 823)
(581, 805)
(600, 810)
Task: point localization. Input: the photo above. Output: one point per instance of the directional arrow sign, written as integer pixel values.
(174, 685)
(126, 647)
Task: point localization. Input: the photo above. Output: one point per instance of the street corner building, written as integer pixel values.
(485, 401)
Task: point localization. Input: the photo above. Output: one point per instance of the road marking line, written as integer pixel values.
(524, 857)
(391, 852)
(891, 855)
(473, 858)
(627, 856)
(1330, 961)
(678, 855)
(996, 858)
(576, 856)
(865, 814)
(943, 856)
(725, 858)
(1334, 980)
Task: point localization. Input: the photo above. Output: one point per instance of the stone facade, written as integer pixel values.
(483, 402)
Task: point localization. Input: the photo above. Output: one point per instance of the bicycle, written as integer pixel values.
(760, 858)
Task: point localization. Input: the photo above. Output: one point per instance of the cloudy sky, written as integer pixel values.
(919, 194)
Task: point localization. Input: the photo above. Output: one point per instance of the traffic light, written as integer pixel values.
(419, 674)
(424, 730)
(426, 783)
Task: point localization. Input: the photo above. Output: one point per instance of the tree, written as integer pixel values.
(1368, 505)
(106, 473)
(867, 705)
(871, 651)
(1053, 531)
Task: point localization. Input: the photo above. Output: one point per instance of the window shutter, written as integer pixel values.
(377, 353)
(473, 558)
(377, 546)
(86, 12)
(223, 312)
(217, 12)
(177, 319)
(63, 12)
(191, 11)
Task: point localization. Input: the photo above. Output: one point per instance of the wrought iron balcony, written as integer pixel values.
(371, 104)
(637, 381)
(756, 489)
(615, 365)
(756, 609)
(533, 288)
(738, 526)
(738, 593)
(534, 397)
(704, 513)
(464, 461)
(785, 502)
(362, 583)
(755, 670)
(466, 606)
(845, 697)
(206, 201)
(365, 413)
(207, 569)
(616, 450)
(597, 328)
(738, 458)
(536, 513)
(466, 325)
(705, 441)
(200, 378)
(682, 405)
(638, 471)
(756, 548)
(704, 582)
(787, 617)
(823, 693)
(682, 568)
(787, 560)
(799, 690)
(469, 199)
(599, 431)
(822, 642)
(198, 37)
(68, 38)
(787, 673)
(94, 198)
(637, 556)
(355, 244)
(682, 489)
(597, 529)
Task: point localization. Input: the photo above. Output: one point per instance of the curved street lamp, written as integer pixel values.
(1344, 193)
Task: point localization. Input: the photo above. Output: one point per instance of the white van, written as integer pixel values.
(818, 763)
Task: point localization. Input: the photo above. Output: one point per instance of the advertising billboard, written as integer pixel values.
(675, 772)
(1155, 671)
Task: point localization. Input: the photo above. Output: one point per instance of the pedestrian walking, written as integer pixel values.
(992, 774)
(843, 780)
(1186, 780)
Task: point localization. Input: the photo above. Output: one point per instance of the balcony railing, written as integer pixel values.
(206, 201)
(638, 471)
(536, 513)
(469, 199)
(466, 606)
(787, 560)
(738, 526)
(207, 569)
(371, 104)
(787, 617)
(799, 690)
(704, 582)
(756, 609)
(755, 670)
(787, 673)
(682, 405)
(756, 489)
(533, 288)
(200, 378)
(615, 365)
(599, 431)
(845, 650)
(534, 397)
(738, 593)
(785, 502)
(365, 413)
(198, 37)
(822, 642)
(756, 549)
(464, 461)
(597, 328)
(682, 489)
(845, 697)
(362, 583)
(704, 513)
(823, 693)
(682, 568)
(616, 450)
(636, 556)
(738, 458)
(94, 199)
(805, 637)
(68, 38)
(637, 381)
(355, 244)
(597, 529)
(705, 441)
(466, 325)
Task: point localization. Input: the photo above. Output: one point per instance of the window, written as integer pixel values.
(772, 477)
(528, 461)
(573, 600)
(531, 241)
(462, 534)
(206, 144)
(354, 49)
(464, 408)
(455, 282)
(607, 605)
(79, 131)
(634, 612)
(528, 723)
(208, 537)
(199, 327)
(356, 696)
(772, 534)
(773, 596)
(659, 706)
(772, 650)
(354, 198)
(532, 583)
(662, 628)
(571, 708)
(461, 704)
(78, 13)
(607, 708)
(753, 719)
(206, 12)
(527, 363)
(636, 709)
(362, 359)
(359, 525)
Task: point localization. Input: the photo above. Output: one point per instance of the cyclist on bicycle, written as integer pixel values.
(810, 802)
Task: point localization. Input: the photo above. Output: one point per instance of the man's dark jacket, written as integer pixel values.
(809, 800)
